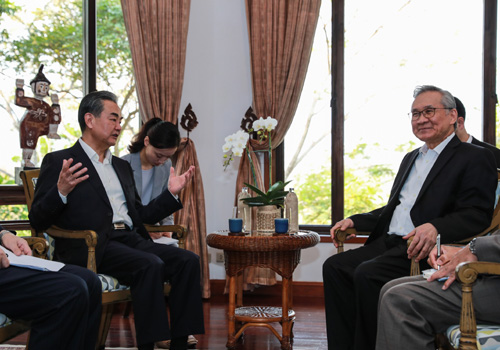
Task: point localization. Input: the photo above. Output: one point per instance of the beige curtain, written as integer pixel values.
(157, 32)
(281, 34)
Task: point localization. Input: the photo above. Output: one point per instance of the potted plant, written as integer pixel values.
(268, 203)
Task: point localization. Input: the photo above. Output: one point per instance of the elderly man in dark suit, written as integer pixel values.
(445, 187)
(85, 187)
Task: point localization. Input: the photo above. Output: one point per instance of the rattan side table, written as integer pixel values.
(281, 253)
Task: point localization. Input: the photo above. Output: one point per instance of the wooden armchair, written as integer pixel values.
(467, 274)
(113, 292)
(11, 328)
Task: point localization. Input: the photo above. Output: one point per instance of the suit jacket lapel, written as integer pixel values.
(441, 161)
(402, 179)
(94, 179)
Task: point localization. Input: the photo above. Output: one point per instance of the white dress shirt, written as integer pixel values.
(401, 223)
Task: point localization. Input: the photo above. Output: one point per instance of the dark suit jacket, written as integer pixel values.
(457, 196)
(88, 206)
(493, 149)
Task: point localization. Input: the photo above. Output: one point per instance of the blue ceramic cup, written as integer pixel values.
(281, 225)
(235, 225)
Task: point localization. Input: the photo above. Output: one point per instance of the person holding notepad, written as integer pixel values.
(66, 302)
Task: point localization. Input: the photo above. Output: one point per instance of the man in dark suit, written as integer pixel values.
(85, 187)
(464, 136)
(64, 306)
(445, 187)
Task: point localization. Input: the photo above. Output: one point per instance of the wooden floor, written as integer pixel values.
(309, 329)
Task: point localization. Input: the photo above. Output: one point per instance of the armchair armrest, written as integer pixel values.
(467, 274)
(341, 237)
(89, 236)
(180, 232)
(39, 246)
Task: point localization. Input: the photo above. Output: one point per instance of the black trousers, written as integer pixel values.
(352, 282)
(145, 266)
(64, 306)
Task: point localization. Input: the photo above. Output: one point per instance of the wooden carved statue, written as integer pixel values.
(40, 118)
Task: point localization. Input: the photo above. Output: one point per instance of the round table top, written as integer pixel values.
(279, 242)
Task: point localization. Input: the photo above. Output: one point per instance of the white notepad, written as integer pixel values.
(30, 262)
(167, 241)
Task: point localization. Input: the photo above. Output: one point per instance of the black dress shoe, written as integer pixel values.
(179, 343)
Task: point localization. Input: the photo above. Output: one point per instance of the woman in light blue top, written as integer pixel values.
(150, 152)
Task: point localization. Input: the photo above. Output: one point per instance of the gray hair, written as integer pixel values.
(447, 99)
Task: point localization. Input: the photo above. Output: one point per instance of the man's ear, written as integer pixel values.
(454, 115)
(89, 120)
(460, 122)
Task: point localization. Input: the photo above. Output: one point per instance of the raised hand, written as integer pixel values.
(70, 176)
(177, 183)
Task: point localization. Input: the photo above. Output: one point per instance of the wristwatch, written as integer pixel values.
(472, 246)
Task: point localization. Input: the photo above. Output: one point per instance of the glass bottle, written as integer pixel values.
(244, 210)
(292, 211)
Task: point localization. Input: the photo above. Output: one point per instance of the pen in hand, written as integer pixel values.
(438, 245)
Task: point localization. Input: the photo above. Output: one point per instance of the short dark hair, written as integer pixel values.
(161, 135)
(460, 108)
(92, 103)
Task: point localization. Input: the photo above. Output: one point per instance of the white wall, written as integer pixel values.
(218, 85)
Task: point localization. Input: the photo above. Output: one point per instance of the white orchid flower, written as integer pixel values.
(230, 138)
(241, 136)
(239, 144)
(227, 147)
(237, 152)
(270, 123)
(258, 124)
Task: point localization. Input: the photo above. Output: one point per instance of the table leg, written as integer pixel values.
(231, 341)
(239, 293)
(286, 323)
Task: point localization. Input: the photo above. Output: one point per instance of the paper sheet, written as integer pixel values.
(30, 262)
(167, 240)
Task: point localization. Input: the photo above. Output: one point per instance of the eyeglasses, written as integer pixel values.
(426, 113)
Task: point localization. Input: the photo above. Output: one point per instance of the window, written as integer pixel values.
(114, 68)
(52, 33)
(379, 55)
(49, 33)
(308, 140)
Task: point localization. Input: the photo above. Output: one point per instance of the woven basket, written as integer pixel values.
(265, 220)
